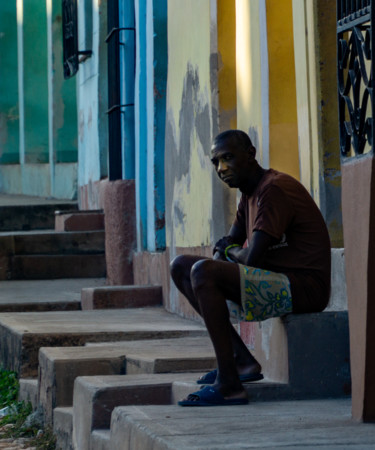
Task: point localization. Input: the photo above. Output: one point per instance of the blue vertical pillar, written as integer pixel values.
(160, 64)
(127, 78)
(141, 131)
(151, 77)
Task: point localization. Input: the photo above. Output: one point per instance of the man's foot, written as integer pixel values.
(210, 377)
(211, 396)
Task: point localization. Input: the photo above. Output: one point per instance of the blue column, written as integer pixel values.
(141, 131)
(160, 64)
(151, 81)
(127, 79)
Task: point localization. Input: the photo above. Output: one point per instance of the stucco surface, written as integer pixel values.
(189, 125)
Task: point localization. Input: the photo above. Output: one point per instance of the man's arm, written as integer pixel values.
(235, 236)
(254, 253)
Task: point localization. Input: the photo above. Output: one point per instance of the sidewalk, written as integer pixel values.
(288, 425)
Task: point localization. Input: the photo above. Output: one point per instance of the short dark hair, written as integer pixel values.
(233, 138)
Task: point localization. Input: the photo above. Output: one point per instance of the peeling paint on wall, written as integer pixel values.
(188, 167)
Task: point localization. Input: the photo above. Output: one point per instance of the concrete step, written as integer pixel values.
(33, 216)
(121, 297)
(63, 428)
(29, 391)
(52, 243)
(44, 295)
(42, 267)
(59, 366)
(96, 397)
(268, 425)
(23, 334)
(79, 220)
(100, 440)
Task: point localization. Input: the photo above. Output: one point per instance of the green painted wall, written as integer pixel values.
(35, 81)
(9, 113)
(63, 107)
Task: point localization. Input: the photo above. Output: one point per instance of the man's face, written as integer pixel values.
(232, 165)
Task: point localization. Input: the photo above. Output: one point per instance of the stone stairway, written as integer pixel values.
(30, 248)
(87, 368)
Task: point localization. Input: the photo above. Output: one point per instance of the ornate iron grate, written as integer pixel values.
(71, 54)
(355, 43)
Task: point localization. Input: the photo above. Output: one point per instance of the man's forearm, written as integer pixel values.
(254, 253)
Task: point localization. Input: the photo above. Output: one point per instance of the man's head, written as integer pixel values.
(233, 156)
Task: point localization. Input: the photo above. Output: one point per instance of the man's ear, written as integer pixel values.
(252, 152)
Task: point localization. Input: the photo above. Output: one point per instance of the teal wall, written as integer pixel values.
(63, 101)
(38, 108)
(35, 81)
(9, 113)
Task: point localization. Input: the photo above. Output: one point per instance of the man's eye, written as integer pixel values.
(228, 157)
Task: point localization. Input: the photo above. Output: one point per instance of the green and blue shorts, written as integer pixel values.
(264, 294)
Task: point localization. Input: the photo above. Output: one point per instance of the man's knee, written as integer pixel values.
(202, 273)
(180, 267)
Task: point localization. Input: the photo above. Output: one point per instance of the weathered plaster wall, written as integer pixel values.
(92, 101)
(189, 125)
(191, 122)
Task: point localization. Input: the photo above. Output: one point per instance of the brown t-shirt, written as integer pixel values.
(282, 208)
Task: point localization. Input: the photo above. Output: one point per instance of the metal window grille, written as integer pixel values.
(355, 43)
(70, 38)
(71, 54)
(116, 104)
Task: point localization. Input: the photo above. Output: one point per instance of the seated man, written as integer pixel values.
(284, 268)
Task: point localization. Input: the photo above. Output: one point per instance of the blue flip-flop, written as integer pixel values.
(210, 377)
(208, 396)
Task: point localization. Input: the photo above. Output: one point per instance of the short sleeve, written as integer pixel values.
(240, 218)
(274, 211)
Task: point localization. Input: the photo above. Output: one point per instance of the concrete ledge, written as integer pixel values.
(22, 334)
(100, 440)
(79, 220)
(28, 391)
(51, 243)
(63, 428)
(39, 267)
(268, 425)
(96, 397)
(121, 297)
(310, 352)
(30, 217)
(59, 366)
(318, 348)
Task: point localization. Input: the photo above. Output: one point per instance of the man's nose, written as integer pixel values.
(222, 167)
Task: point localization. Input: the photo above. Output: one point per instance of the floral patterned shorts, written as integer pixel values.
(264, 294)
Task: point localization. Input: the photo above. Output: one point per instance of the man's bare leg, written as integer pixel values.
(183, 269)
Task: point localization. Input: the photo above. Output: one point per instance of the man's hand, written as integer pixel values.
(222, 244)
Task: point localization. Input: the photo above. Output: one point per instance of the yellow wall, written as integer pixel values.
(189, 124)
(226, 42)
(266, 102)
(282, 88)
(249, 101)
